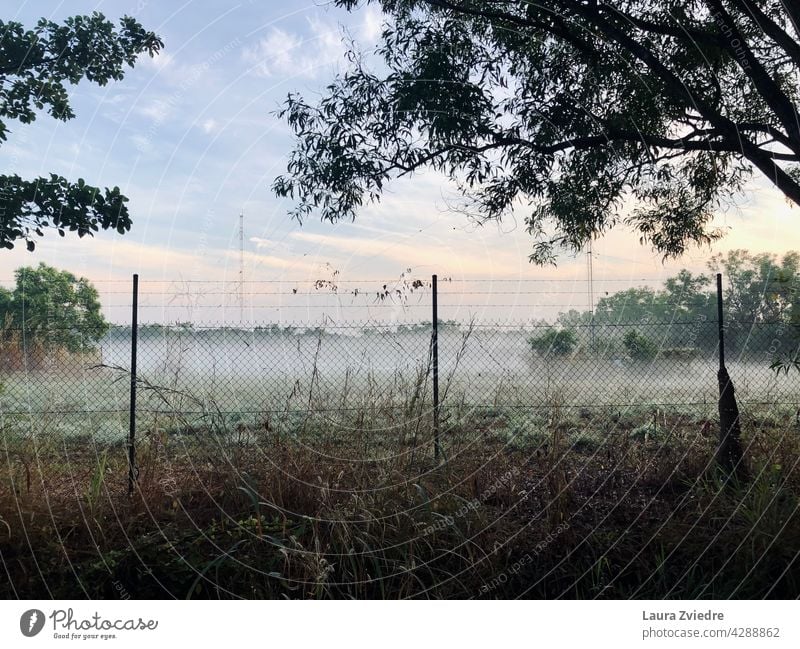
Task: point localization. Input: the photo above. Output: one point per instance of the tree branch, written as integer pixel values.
(678, 31)
(763, 160)
(765, 128)
(793, 11)
(764, 83)
(770, 28)
(560, 28)
(610, 138)
(25, 65)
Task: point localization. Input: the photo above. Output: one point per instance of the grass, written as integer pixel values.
(331, 491)
(562, 503)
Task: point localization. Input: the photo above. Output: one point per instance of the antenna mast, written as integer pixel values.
(241, 267)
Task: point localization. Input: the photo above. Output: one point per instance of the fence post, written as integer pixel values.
(729, 451)
(132, 418)
(435, 355)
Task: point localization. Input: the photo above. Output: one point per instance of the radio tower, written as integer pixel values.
(241, 267)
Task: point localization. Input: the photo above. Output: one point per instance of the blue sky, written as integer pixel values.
(192, 139)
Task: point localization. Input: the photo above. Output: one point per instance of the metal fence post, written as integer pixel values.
(720, 323)
(729, 451)
(435, 355)
(132, 418)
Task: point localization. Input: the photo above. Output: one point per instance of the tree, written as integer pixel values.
(35, 66)
(629, 305)
(585, 113)
(759, 287)
(556, 342)
(761, 301)
(639, 347)
(52, 309)
(688, 297)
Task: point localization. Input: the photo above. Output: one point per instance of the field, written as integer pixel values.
(302, 465)
(238, 376)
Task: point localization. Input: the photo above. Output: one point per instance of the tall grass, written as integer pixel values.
(247, 513)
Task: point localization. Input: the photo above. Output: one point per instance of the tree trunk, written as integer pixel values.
(729, 452)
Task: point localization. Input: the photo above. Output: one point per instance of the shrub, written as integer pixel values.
(556, 342)
(639, 347)
(648, 432)
(527, 436)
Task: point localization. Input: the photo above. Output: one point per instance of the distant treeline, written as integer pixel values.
(677, 320)
(761, 311)
(151, 330)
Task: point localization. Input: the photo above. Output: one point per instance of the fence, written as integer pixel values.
(366, 386)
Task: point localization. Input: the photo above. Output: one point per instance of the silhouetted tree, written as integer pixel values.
(35, 67)
(569, 109)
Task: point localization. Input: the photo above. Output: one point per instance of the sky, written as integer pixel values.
(191, 137)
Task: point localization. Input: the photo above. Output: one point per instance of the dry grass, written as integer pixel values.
(618, 515)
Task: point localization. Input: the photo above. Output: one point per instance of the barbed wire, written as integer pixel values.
(393, 280)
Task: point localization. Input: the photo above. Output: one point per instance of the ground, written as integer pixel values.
(573, 506)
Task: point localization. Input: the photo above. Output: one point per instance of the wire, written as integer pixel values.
(392, 281)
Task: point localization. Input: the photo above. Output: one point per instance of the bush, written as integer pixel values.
(648, 432)
(526, 432)
(556, 342)
(639, 347)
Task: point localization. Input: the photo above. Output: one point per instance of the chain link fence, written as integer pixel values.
(365, 387)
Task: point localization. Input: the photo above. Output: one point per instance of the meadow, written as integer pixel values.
(301, 464)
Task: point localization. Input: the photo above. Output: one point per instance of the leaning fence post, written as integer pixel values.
(132, 418)
(729, 451)
(435, 360)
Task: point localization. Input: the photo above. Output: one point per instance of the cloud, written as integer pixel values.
(448, 257)
(142, 143)
(114, 99)
(157, 110)
(372, 24)
(272, 54)
(209, 126)
(281, 53)
(160, 61)
(253, 261)
(263, 243)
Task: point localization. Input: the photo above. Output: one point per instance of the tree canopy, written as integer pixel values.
(583, 114)
(53, 309)
(761, 307)
(35, 67)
